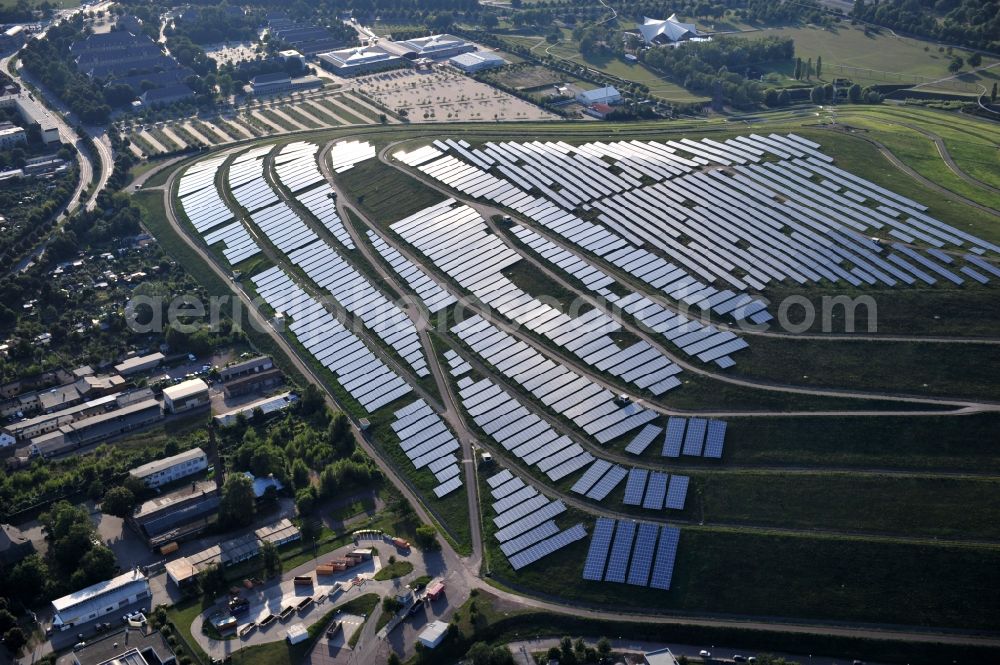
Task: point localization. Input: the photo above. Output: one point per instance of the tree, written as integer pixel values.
(238, 504)
(784, 99)
(956, 64)
(771, 97)
(975, 59)
(426, 537)
(566, 655)
(118, 501)
(393, 659)
(271, 558)
(854, 93)
(96, 565)
(819, 66)
(809, 69)
(300, 474)
(391, 605)
(816, 95)
(14, 639)
(993, 95)
(212, 580)
(798, 69)
(490, 21)
(604, 647)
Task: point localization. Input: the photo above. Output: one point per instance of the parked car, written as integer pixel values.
(705, 654)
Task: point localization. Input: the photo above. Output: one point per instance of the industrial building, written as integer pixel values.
(137, 364)
(607, 95)
(279, 82)
(183, 513)
(253, 383)
(477, 61)
(183, 570)
(267, 406)
(433, 634)
(97, 428)
(33, 113)
(435, 47)
(279, 533)
(99, 599)
(360, 60)
(245, 367)
(11, 135)
(14, 545)
(167, 470)
(169, 94)
(185, 396)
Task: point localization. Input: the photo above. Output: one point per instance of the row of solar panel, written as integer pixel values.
(427, 442)
(646, 559)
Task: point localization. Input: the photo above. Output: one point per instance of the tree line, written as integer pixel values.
(974, 23)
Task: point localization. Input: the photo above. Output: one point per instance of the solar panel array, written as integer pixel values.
(433, 295)
(205, 209)
(655, 490)
(531, 167)
(297, 169)
(455, 239)
(283, 227)
(345, 154)
(694, 437)
(528, 531)
(457, 365)
(588, 405)
(521, 432)
(641, 555)
(794, 216)
(427, 442)
(355, 293)
(361, 373)
(246, 180)
(638, 445)
(690, 336)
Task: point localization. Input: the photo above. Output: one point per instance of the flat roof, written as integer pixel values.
(164, 501)
(138, 361)
(117, 414)
(94, 590)
(167, 462)
(185, 389)
(433, 631)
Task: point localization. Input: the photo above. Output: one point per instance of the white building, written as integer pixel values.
(185, 396)
(433, 634)
(670, 31)
(435, 47)
(659, 657)
(478, 61)
(360, 60)
(11, 136)
(99, 599)
(169, 469)
(606, 95)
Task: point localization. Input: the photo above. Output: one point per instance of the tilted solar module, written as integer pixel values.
(674, 437)
(635, 487)
(695, 436)
(642, 555)
(620, 550)
(677, 492)
(655, 491)
(597, 555)
(666, 555)
(716, 438)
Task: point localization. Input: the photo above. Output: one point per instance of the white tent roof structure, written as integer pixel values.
(671, 29)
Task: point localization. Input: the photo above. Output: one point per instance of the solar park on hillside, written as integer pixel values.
(733, 216)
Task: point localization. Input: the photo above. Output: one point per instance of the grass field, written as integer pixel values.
(937, 507)
(846, 45)
(922, 443)
(385, 194)
(925, 368)
(394, 570)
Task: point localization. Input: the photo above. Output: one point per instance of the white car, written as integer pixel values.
(705, 654)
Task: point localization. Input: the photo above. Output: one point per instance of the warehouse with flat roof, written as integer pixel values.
(99, 599)
(185, 396)
(360, 60)
(475, 62)
(167, 470)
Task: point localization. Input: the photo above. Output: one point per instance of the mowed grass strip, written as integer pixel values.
(960, 508)
(920, 368)
(921, 443)
(758, 573)
(292, 113)
(384, 193)
(276, 119)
